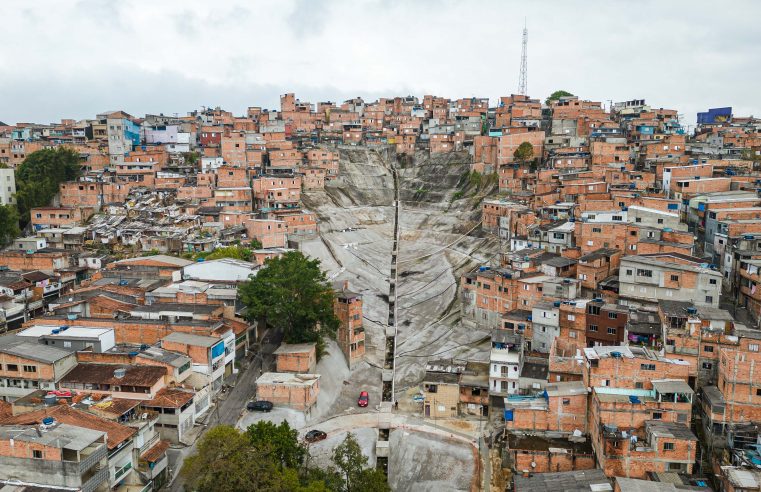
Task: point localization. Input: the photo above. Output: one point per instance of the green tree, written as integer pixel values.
(524, 153)
(38, 177)
(226, 462)
(9, 224)
(292, 294)
(350, 464)
(235, 251)
(557, 95)
(280, 441)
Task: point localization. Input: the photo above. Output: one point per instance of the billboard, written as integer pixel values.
(714, 115)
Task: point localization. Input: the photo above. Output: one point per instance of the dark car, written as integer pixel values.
(259, 406)
(363, 399)
(314, 436)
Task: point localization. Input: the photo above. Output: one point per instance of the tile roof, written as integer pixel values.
(170, 398)
(155, 452)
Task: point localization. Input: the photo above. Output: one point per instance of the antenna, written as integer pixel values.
(523, 81)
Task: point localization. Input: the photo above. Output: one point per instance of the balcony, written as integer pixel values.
(96, 480)
(92, 455)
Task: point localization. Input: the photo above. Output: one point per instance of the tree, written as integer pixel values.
(351, 463)
(9, 227)
(292, 294)
(38, 177)
(227, 460)
(237, 252)
(557, 95)
(524, 153)
(280, 441)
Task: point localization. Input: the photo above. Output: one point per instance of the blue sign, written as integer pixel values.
(217, 350)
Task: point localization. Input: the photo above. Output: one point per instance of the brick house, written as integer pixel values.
(296, 358)
(347, 307)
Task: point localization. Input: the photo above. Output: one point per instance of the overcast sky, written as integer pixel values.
(73, 59)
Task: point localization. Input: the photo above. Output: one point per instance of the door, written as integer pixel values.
(427, 410)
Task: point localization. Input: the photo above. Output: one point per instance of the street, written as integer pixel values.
(231, 404)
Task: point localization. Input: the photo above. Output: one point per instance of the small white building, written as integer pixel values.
(7, 186)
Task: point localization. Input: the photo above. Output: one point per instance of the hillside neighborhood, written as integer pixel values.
(523, 294)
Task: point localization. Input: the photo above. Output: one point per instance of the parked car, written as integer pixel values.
(259, 406)
(363, 399)
(315, 435)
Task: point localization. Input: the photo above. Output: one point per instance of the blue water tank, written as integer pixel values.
(508, 415)
(633, 399)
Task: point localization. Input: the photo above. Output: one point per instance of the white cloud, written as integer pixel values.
(74, 59)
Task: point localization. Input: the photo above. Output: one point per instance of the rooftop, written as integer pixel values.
(134, 375)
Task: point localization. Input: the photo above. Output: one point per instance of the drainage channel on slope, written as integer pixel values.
(382, 446)
(389, 362)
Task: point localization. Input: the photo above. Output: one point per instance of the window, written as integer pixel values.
(638, 219)
(668, 446)
(660, 221)
(11, 367)
(617, 218)
(596, 229)
(628, 272)
(639, 385)
(30, 368)
(712, 281)
(612, 315)
(592, 327)
(37, 453)
(758, 391)
(566, 401)
(709, 299)
(707, 348)
(707, 365)
(753, 347)
(612, 331)
(644, 273)
(657, 415)
(647, 367)
(571, 317)
(571, 334)
(675, 278)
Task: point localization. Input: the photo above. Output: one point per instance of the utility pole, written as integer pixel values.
(523, 80)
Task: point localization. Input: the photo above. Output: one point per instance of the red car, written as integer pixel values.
(363, 399)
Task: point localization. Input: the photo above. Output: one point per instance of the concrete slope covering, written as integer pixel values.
(439, 240)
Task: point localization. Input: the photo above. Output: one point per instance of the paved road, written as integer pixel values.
(233, 403)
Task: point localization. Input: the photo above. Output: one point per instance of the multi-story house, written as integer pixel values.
(505, 361)
(347, 307)
(644, 279)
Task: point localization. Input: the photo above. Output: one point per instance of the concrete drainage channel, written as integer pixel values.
(388, 374)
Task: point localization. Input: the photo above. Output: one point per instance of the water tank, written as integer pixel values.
(47, 421)
(556, 304)
(50, 399)
(615, 355)
(201, 260)
(144, 346)
(120, 373)
(63, 328)
(56, 331)
(133, 354)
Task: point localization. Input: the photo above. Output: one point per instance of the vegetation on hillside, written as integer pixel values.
(38, 177)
